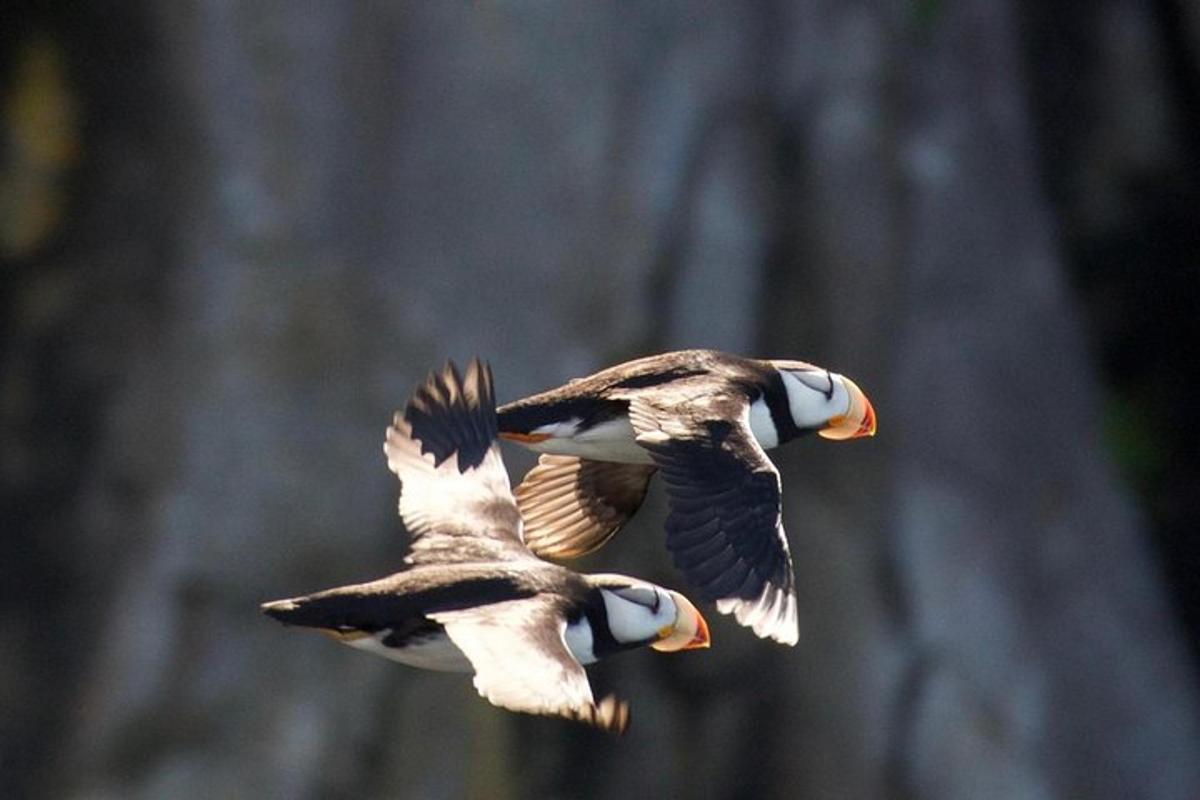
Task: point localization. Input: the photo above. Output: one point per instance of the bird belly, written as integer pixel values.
(435, 652)
(612, 440)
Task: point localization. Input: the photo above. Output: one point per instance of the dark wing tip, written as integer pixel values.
(610, 715)
(450, 413)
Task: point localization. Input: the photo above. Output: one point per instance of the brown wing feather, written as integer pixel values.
(573, 506)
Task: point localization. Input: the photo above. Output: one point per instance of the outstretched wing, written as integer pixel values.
(572, 506)
(455, 497)
(522, 663)
(724, 529)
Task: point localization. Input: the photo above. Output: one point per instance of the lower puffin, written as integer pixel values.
(471, 596)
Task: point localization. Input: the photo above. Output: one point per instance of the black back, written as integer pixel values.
(397, 601)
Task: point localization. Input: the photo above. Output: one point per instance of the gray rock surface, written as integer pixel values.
(307, 208)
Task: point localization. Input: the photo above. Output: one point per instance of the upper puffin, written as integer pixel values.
(704, 418)
(471, 597)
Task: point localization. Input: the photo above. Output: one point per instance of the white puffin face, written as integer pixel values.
(827, 402)
(637, 613)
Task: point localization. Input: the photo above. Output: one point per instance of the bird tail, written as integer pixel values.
(294, 611)
(361, 607)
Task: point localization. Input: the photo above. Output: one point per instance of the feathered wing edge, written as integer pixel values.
(455, 416)
(455, 498)
(724, 527)
(572, 506)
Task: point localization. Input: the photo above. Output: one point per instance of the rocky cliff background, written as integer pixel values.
(234, 235)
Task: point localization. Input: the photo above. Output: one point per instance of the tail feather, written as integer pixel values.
(337, 609)
(391, 601)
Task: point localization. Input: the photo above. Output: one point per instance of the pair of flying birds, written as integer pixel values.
(474, 594)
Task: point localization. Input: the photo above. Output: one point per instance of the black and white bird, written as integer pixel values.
(704, 418)
(471, 596)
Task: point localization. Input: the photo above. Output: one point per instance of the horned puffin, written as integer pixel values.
(471, 597)
(704, 419)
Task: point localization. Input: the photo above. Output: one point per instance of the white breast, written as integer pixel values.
(609, 441)
(434, 652)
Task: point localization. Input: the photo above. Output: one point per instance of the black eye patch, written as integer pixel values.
(813, 380)
(641, 595)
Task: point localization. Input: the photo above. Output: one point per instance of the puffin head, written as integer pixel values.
(826, 402)
(644, 613)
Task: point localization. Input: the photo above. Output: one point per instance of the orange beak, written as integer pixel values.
(701, 639)
(689, 631)
(858, 421)
(524, 438)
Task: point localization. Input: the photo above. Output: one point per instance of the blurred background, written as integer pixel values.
(234, 235)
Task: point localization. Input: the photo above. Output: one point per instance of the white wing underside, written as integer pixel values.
(445, 509)
(771, 616)
(520, 658)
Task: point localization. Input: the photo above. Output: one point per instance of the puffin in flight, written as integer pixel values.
(471, 597)
(704, 419)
